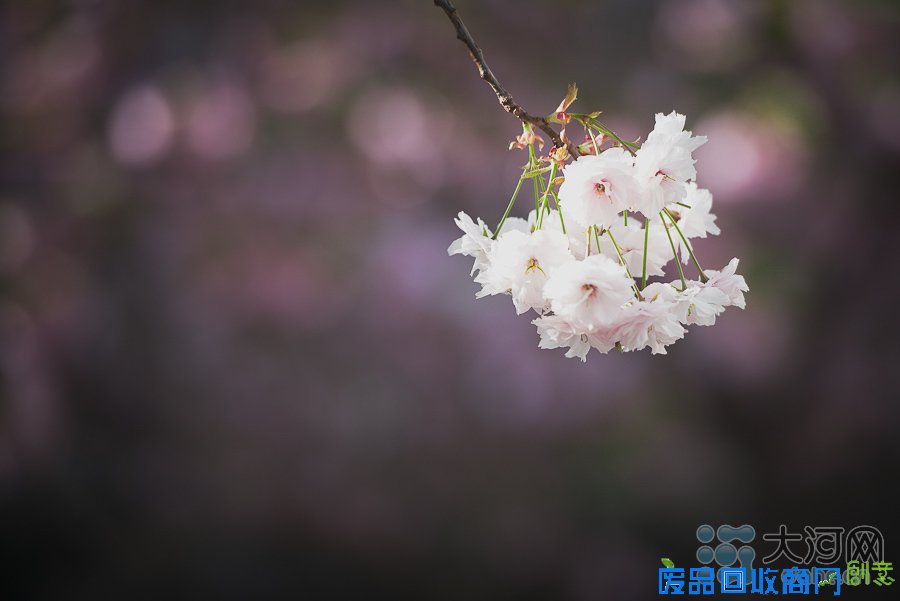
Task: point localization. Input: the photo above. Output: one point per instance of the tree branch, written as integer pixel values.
(505, 98)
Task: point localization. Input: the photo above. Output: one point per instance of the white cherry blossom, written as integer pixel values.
(566, 267)
(575, 232)
(694, 220)
(520, 264)
(732, 285)
(700, 304)
(664, 164)
(589, 293)
(598, 187)
(630, 239)
(556, 332)
(475, 241)
(648, 323)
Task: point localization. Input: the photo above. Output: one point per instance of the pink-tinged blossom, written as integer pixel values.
(732, 285)
(598, 187)
(648, 323)
(589, 293)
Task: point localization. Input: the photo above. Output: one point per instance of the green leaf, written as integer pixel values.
(571, 95)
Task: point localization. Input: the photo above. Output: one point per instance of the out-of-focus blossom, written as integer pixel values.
(46, 73)
(706, 35)
(16, 237)
(305, 75)
(743, 152)
(221, 122)
(141, 127)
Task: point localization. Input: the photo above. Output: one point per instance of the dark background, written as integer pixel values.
(236, 361)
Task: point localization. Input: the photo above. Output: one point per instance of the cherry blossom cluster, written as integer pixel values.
(617, 215)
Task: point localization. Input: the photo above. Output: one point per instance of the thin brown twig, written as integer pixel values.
(505, 98)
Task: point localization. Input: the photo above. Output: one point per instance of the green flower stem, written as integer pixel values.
(674, 254)
(593, 139)
(562, 222)
(703, 277)
(590, 132)
(629, 146)
(544, 202)
(621, 260)
(646, 236)
(509, 207)
(532, 163)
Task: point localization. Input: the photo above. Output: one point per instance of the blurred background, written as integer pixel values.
(236, 361)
